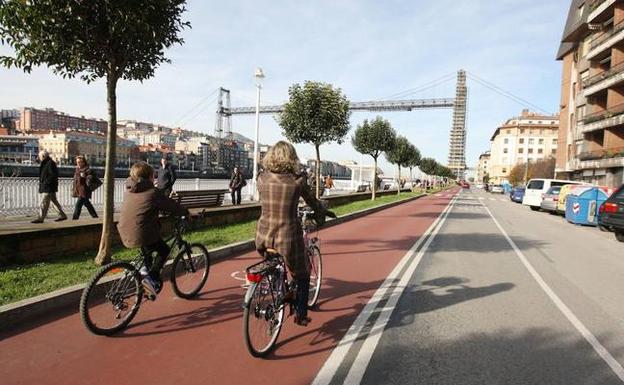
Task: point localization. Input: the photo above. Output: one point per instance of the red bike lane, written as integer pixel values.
(173, 341)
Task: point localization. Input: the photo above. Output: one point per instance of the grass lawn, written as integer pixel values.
(18, 282)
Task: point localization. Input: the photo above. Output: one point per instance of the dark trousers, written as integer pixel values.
(303, 294)
(86, 203)
(154, 265)
(236, 196)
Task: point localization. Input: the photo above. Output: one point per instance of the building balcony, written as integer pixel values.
(615, 162)
(607, 40)
(604, 80)
(610, 117)
(597, 10)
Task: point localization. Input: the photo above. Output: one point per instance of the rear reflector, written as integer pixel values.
(556, 199)
(253, 277)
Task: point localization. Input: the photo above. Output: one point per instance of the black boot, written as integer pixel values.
(301, 305)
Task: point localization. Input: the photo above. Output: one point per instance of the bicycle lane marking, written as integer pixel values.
(332, 364)
(615, 366)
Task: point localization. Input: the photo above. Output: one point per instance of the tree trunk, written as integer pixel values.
(411, 180)
(318, 171)
(374, 178)
(399, 182)
(104, 253)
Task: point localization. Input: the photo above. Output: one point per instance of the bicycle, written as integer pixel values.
(117, 286)
(268, 293)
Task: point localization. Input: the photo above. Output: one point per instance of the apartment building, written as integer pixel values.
(32, 119)
(64, 146)
(19, 148)
(526, 138)
(592, 93)
(483, 166)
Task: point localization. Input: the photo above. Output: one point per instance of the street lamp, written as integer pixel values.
(259, 75)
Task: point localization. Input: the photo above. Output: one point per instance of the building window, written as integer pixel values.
(522, 130)
(531, 141)
(506, 141)
(554, 141)
(540, 150)
(522, 140)
(541, 141)
(530, 150)
(504, 171)
(520, 150)
(553, 151)
(505, 150)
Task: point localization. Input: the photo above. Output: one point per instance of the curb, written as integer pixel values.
(30, 309)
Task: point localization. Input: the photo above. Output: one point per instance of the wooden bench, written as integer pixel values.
(199, 198)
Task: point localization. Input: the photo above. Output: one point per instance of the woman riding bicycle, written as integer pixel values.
(280, 186)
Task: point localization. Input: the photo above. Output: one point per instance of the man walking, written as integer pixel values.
(166, 177)
(48, 187)
(237, 182)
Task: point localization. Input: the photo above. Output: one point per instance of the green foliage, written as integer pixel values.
(428, 166)
(315, 113)
(91, 38)
(414, 157)
(401, 153)
(374, 137)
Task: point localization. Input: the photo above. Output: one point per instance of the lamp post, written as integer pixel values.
(259, 75)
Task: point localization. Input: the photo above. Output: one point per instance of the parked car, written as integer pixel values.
(537, 187)
(550, 199)
(497, 189)
(611, 213)
(516, 194)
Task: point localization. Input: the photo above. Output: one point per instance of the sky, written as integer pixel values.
(371, 50)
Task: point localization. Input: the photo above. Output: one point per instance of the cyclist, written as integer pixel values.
(280, 186)
(138, 223)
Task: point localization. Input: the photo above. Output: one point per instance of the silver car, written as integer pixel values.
(550, 199)
(497, 189)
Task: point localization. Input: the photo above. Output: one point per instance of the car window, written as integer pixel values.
(553, 183)
(554, 190)
(619, 194)
(536, 185)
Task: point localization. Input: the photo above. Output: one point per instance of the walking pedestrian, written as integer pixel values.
(329, 183)
(83, 184)
(166, 177)
(48, 187)
(237, 182)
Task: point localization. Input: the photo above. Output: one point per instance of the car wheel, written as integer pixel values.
(619, 235)
(535, 208)
(604, 228)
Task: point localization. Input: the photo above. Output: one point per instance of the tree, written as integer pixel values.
(543, 168)
(372, 139)
(516, 174)
(428, 166)
(400, 155)
(93, 40)
(315, 113)
(414, 161)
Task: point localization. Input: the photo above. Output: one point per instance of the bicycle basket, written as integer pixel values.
(256, 271)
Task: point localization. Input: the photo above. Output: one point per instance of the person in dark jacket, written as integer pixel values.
(81, 188)
(237, 182)
(166, 177)
(48, 187)
(280, 186)
(138, 223)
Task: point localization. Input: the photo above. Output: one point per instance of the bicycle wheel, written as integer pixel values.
(262, 316)
(111, 299)
(316, 275)
(189, 271)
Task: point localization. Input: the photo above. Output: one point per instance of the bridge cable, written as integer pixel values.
(191, 110)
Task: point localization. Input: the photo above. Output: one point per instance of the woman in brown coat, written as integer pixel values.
(81, 188)
(280, 186)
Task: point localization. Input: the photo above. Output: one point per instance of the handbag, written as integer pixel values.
(93, 182)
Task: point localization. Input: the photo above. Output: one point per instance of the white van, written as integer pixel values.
(536, 187)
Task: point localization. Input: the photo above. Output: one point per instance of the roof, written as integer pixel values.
(574, 28)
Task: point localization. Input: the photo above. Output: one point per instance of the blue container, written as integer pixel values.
(583, 203)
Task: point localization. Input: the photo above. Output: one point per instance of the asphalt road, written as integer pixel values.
(471, 289)
(475, 311)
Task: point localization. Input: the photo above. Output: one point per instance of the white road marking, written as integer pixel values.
(333, 362)
(589, 337)
(358, 368)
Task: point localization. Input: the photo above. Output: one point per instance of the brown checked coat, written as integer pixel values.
(278, 227)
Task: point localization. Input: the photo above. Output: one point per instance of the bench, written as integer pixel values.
(199, 198)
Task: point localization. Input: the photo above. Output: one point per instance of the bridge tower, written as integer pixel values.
(223, 122)
(457, 140)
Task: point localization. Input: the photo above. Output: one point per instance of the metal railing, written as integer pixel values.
(609, 112)
(19, 196)
(604, 153)
(607, 34)
(603, 75)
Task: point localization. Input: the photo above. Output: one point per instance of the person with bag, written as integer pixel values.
(85, 182)
(237, 182)
(166, 176)
(48, 187)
